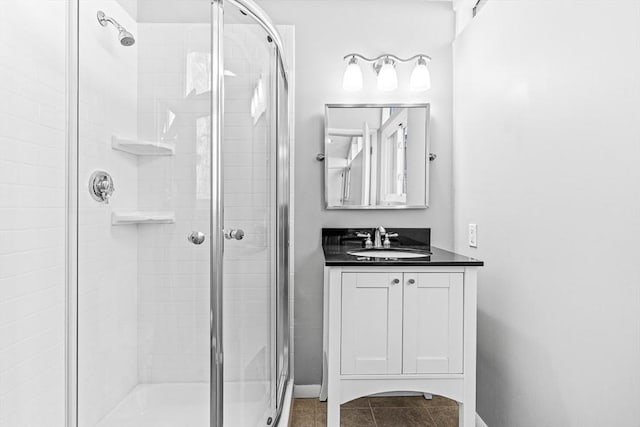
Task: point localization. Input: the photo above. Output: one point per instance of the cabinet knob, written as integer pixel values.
(395, 281)
(412, 281)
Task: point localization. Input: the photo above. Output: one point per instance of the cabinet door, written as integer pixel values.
(433, 323)
(371, 323)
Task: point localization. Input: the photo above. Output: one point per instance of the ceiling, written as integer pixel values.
(185, 11)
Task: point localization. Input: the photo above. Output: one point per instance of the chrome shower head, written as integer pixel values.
(125, 37)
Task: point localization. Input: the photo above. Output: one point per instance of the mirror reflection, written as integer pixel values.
(376, 156)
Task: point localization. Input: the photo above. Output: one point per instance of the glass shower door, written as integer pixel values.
(250, 222)
(180, 200)
(144, 207)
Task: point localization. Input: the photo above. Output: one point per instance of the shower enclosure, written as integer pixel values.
(178, 215)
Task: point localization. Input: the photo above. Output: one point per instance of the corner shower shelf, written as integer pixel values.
(142, 217)
(143, 148)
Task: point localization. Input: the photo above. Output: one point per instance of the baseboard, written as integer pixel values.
(306, 391)
(312, 391)
(480, 422)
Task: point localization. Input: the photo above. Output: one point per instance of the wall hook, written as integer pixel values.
(432, 157)
(320, 157)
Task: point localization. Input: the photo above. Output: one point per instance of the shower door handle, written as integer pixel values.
(234, 234)
(196, 237)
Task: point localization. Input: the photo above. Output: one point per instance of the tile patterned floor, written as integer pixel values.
(413, 411)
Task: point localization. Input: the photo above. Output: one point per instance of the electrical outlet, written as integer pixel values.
(473, 235)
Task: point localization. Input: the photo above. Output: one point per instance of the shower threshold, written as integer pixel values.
(162, 405)
(187, 405)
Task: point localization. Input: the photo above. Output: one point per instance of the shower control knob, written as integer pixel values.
(196, 237)
(101, 186)
(234, 234)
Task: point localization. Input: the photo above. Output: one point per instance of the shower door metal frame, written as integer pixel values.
(71, 213)
(216, 367)
(283, 219)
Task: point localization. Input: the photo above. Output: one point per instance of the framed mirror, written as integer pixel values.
(376, 156)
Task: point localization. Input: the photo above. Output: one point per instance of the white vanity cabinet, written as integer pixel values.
(401, 323)
(432, 327)
(371, 324)
(400, 328)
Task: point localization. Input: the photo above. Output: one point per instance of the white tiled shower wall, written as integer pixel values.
(173, 275)
(32, 180)
(108, 264)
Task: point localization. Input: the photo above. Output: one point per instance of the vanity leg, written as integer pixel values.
(333, 412)
(325, 337)
(468, 406)
(323, 388)
(334, 389)
(466, 415)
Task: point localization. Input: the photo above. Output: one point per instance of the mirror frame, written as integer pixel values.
(427, 172)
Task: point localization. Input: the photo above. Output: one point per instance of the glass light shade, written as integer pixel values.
(420, 77)
(387, 77)
(352, 79)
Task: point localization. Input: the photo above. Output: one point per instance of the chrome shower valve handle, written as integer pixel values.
(101, 186)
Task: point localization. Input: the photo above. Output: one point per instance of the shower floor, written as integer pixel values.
(180, 405)
(162, 405)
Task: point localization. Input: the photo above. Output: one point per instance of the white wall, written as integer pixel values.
(326, 30)
(108, 262)
(547, 146)
(32, 185)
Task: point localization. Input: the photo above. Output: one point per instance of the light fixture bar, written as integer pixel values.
(385, 68)
(387, 55)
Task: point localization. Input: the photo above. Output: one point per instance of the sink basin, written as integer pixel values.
(390, 253)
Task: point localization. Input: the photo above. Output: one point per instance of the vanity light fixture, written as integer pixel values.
(420, 76)
(385, 67)
(387, 76)
(352, 79)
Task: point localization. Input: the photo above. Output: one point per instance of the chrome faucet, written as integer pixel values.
(377, 240)
(379, 234)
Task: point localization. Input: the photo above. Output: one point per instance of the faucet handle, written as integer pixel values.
(387, 243)
(368, 243)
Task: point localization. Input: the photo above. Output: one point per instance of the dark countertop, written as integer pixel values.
(337, 242)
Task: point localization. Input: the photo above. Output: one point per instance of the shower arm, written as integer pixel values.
(103, 19)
